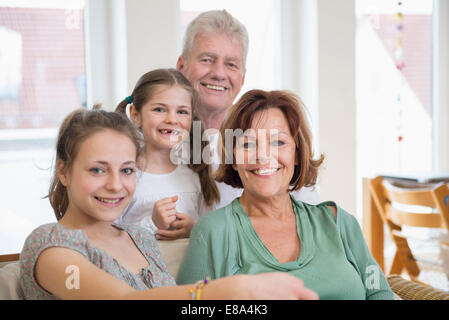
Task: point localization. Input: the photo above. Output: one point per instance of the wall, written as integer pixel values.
(441, 85)
(319, 46)
(125, 39)
(336, 101)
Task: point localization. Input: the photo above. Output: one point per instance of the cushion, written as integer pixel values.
(173, 252)
(410, 290)
(9, 281)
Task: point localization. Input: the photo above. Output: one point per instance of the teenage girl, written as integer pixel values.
(86, 256)
(170, 197)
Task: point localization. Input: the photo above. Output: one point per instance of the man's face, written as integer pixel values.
(215, 69)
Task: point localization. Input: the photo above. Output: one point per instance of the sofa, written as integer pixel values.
(173, 253)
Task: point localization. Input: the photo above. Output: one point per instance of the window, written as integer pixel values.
(263, 65)
(394, 99)
(394, 72)
(42, 80)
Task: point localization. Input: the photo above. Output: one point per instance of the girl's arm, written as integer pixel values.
(68, 274)
(86, 281)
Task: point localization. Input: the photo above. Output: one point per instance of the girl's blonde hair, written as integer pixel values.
(75, 129)
(144, 90)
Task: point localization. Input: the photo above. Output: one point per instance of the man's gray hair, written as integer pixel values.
(214, 22)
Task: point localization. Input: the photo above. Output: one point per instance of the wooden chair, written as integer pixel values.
(395, 218)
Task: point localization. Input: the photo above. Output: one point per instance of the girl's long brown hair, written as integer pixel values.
(143, 92)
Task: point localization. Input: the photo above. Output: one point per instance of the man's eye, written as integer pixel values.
(207, 60)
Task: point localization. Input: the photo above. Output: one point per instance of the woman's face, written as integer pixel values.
(166, 118)
(265, 155)
(102, 179)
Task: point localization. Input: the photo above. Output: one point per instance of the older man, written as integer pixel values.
(214, 60)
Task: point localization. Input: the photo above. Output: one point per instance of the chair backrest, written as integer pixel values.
(415, 207)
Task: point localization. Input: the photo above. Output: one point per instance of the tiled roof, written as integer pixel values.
(53, 66)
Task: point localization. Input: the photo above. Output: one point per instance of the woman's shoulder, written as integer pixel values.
(341, 217)
(215, 220)
(218, 215)
(330, 208)
(318, 207)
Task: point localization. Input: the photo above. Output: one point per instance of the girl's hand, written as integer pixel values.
(164, 212)
(183, 225)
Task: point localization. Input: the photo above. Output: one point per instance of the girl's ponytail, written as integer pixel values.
(209, 187)
(121, 108)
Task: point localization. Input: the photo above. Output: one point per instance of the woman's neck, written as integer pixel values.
(277, 207)
(157, 161)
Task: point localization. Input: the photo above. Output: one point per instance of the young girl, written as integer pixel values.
(85, 255)
(169, 198)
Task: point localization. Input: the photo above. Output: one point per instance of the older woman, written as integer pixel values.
(266, 229)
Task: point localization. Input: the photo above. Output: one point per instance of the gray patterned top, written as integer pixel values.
(56, 235)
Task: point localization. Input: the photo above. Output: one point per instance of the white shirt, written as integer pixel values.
(150, 188)
(228, 194)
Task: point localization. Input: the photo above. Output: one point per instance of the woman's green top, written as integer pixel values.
(334, 260)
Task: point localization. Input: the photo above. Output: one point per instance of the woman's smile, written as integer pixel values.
(265, 172)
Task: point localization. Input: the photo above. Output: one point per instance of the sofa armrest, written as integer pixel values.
(9, 281)
(410, 290)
